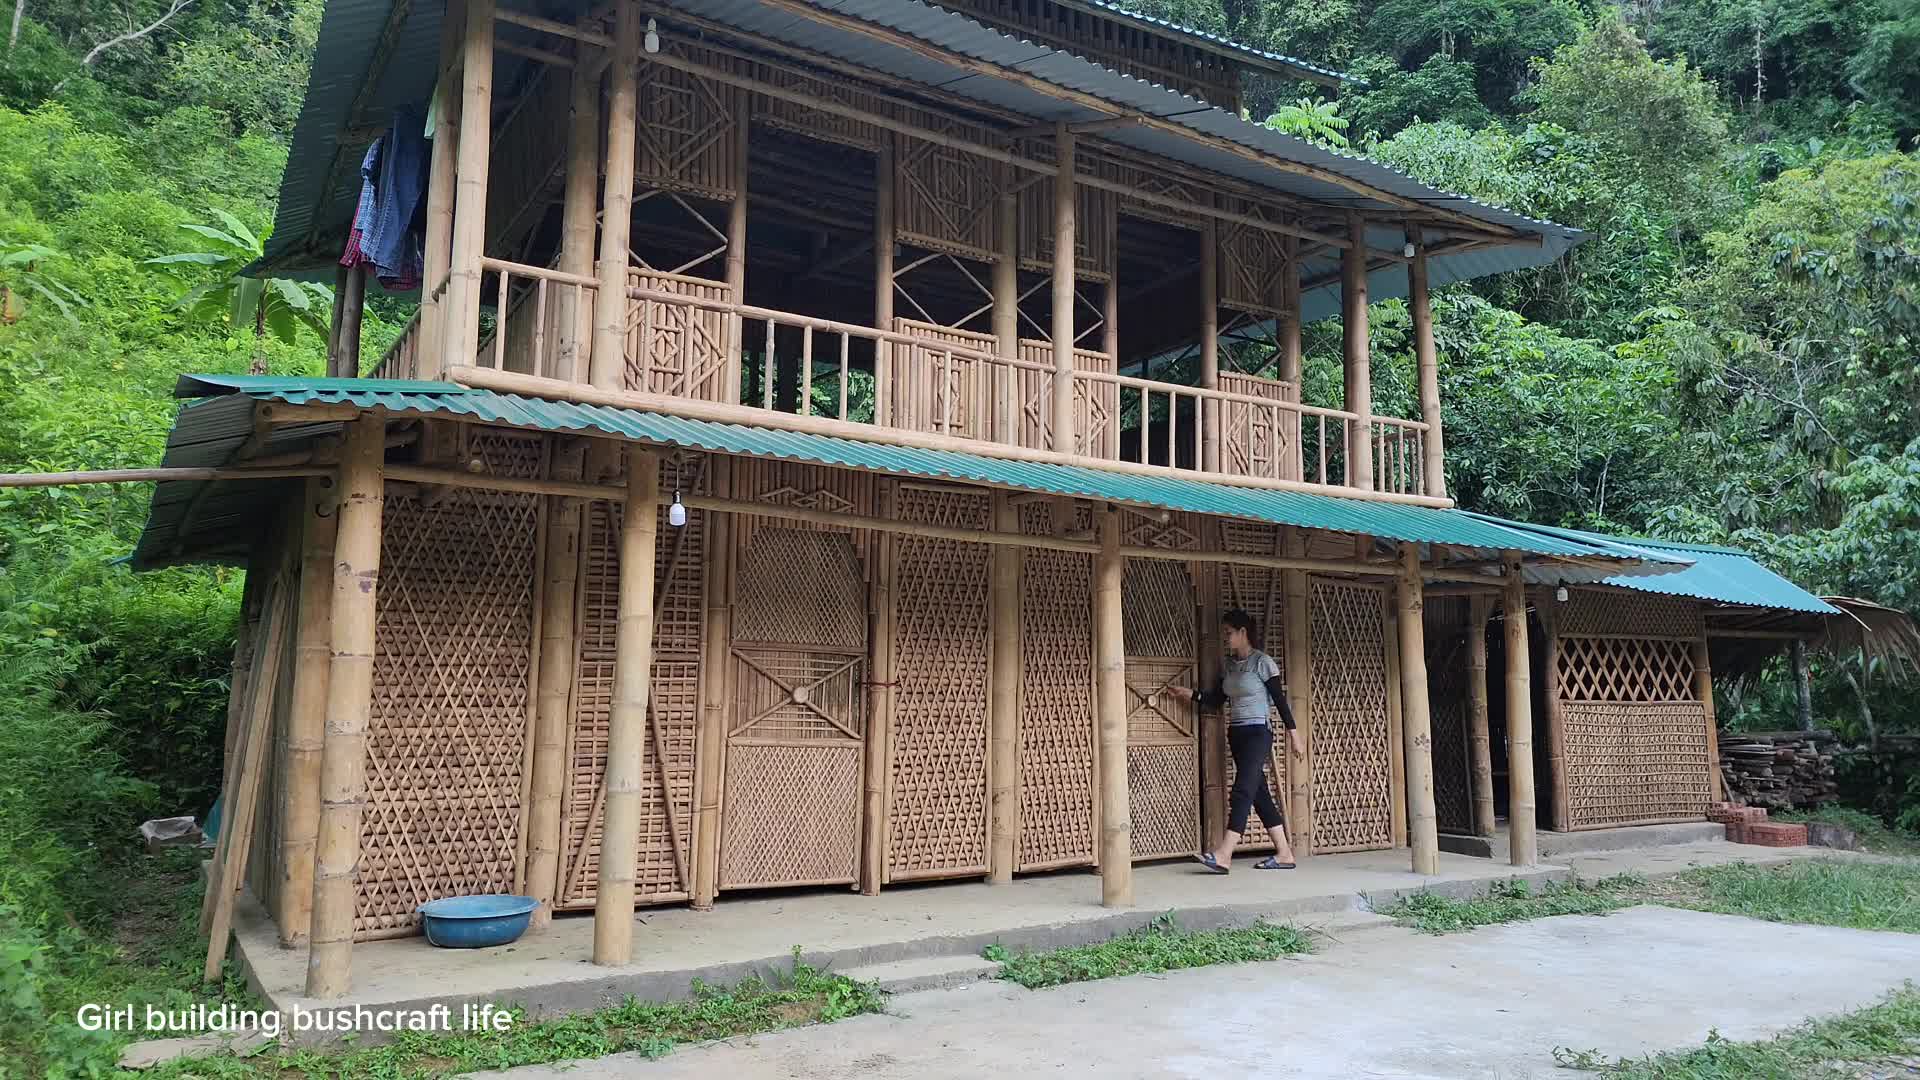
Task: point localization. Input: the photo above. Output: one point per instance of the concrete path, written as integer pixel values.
(1388, 1003)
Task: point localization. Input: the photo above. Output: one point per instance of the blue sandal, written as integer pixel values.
(1207, 860)
(1271, 863)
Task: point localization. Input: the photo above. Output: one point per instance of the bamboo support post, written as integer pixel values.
(1211, 417)
(1003, 716)
(716, 691)
(627, 718)
(1061, 326)
(462, 313)
(1802, 688)
(343, 362)
(1288, 334)
(307, 714)
(1423, 824)
(578, 211)
(1110, 656)
(1556, 717)
(553, 695)
(1479, 736)
(1006, 315)
(441, 174)
(1703, 689)
(875, 762)
(1396, 716)
(608, 361)
(1427, 358)
(343, 756)
(883, 245)
(1359, 362)
(1211, 722)
(1523, 846)
(1299, 673)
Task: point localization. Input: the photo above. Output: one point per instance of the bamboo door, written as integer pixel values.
(1445, 632)
(1260, 591)
(1353, 782)
(1056, 695)
(1163, 748)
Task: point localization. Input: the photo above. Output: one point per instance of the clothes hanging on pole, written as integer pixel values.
(388, 224)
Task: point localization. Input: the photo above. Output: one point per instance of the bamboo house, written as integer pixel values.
(819, 440)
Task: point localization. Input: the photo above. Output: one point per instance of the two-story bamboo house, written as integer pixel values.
(763, 495)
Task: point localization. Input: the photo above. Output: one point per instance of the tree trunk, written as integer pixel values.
(19, 12)
(259, 364)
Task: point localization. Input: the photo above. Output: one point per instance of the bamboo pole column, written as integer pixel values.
(462, 320)
(627, 719)
(1210, 343)
(554, 693)
(1003, 716)
(1359, 361)
(1006, 315)
(1110, 654)
(716, 692)
(1416, 719)
(1211, 722)
(1703, 689)
(1432, 444)
(883, 255)
(344, 361)
(574, 337)
(1556, 716)
(306, 713)
(877, 759)
(1288, 332)
(1299, 673)
(737, 260)
(343, 756)
(1523, 846)
(1479, 737)
(440, 179)
(1065, 199)
(608, 362)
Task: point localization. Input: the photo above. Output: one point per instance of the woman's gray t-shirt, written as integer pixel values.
(1245, 684)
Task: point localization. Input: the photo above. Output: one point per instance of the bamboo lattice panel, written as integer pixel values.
(790, 811)
(1255, 440)
(937, 793)
(1447, 697)
(944, 197)
(1625, 669)
(1056, 700)
(1636, 762)
(1182, 186)
(809, 487)
(1163, 759)
(1257, 590)
(939, 392)
(1352, 749)
(1157, 610)
(1093, 208)
(1095, 418)
(676, 349)
(1589, 612)
(447, 737)
(1251, 261)
(686, 140)
(673, 705)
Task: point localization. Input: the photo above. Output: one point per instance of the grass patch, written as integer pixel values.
(1873, 833)
(1848, 1046)
(1514, 900)
(808, 996)
(1162, 945)
(1855, 893)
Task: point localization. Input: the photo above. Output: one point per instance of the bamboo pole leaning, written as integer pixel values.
(1110, 657)
(307, 716)
(716, 695)
(1479, 737)
(553, 693)
(1417, 720)
(1523, 845)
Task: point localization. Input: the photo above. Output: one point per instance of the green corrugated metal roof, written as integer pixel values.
(1721, 574)
(205, 426)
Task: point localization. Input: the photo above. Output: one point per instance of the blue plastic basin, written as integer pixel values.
(476, 922)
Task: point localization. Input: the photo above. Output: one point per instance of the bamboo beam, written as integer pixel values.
(162, 475)
(1427, 358)
(462, 338)
(553, 694)
(1416, 719)
(1703, 689)
(343, 756)
(1479, 737)
(307, 714)
(1299, 672)
(1003, 717)
(426, 474)
(627, 719)
(1110, 654)
(1359, 365)
(876, 757)
(608, 361)
(1556, 718)
(574, 340)
(1523, 847)
(1209, 345)
(1065, 439)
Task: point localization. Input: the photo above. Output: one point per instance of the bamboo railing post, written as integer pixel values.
(608, 361)
(1423, 824)
(1523, 846)
(716, 689)
(883, 240)
(554, 693)
(1110, 653)
(343, 756)
(1556, 716)
(876, 759)
(1065, 199)
(1479, 737)
(462, 320)
(1703, 689)
(1433, 457)
(440, 184)
(574, 343)
(1359, 362)
(1212, 413)
(307, 713)
(627, 719)
(1299, 672)
(1003, 718)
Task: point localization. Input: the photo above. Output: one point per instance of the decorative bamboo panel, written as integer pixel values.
(447, 737)
(1251, 260)
(1352, 737)
(1158, 610)
(675, 349)
(1257, 441)
(685, 142)
(1096, 406)
(1624, 669)
(673, 703)
(1635, 762)
(1163, 782)
(1056, 699)
(1445, 627)
(944, 197)
(1257, 590)
(1622, 612)
(810, 487)
(938, 392)
(1158, 615)
(1093, 254)
(790, 809)
(1182, 186)
(937, 785)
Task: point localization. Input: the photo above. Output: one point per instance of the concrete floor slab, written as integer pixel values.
(1493, 1004)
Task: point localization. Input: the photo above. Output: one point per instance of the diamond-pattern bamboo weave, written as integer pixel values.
(1056, 702)
(1352, 763)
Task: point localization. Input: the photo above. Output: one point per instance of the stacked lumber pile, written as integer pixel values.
(1784, 771)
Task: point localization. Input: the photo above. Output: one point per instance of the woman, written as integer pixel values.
(1251, 687)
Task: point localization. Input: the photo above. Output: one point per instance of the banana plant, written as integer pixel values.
(21, 268)
(281, 306)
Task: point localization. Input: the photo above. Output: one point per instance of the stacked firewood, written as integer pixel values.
(1784, 771)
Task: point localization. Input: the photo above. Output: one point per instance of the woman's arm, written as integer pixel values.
(1277, 690)
(1206, 699)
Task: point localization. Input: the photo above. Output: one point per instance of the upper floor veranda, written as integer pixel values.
(779, 214)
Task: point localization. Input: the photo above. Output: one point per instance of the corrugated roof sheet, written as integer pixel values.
(204, 428)
(1720, 574)
(345, 53)
(1223, 44)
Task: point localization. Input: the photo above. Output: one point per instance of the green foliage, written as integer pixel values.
(1314, 121)
(1162, 945)
(1859, 1043)
(281, 305)
(1440, 89)
(1513, 900)
(1881, 895)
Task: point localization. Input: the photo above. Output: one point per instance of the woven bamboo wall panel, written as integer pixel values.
(811, 487)
(1093, 254)
(1445, 627)
(1180, 185)
(1163, 782)
(447, 734)
(1153, 717)
(1096, 407)
(1056, 700)
(792, 815)
(1255, 440)
(685, 140)
(1251, 260)
(1352, 753)
(1257, 590)
(937, 792)
(1636, 763)
(1619, 611)
(1625, 669)
(944, 198)
(1179, 531)
(800, 587)
(1157, 609)
(938, 392)
(675, 349)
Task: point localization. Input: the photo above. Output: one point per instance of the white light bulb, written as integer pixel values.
(652, 41)
(1408, 250)
(677, 513)
(1560, 594)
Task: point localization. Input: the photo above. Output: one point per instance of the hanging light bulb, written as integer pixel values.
(1408, 250)
(677, 513)
(652, 41)
(1560, 594)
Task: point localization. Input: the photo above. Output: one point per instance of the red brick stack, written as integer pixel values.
(1749, 825)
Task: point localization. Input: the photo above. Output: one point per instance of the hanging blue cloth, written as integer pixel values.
(391, 239)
